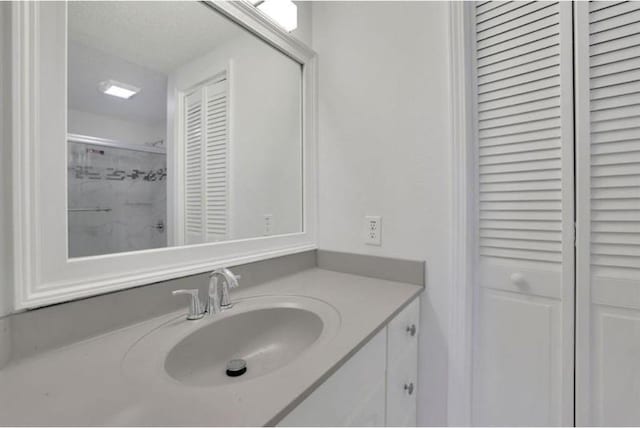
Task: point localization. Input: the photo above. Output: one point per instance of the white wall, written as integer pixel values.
(266, 144)
(384, 149)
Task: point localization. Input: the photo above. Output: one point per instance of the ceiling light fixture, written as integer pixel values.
(118, 89)
(283, 12)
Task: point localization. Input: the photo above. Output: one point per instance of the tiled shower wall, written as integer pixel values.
(124, 193)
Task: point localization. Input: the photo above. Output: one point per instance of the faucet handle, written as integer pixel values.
(195, 307)
(235, 283)
(234, 278)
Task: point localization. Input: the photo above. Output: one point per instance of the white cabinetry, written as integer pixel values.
(354, 394)
(369, 389)
(402, 366)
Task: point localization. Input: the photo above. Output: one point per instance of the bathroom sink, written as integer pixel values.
(267, 332)
(266, 339)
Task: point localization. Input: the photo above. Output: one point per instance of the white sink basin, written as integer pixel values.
(266, 339)
(267, 332)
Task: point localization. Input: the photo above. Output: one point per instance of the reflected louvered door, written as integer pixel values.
(608, 196)
(193, 155)
(523, 359)
(216, 161)
(206, 157)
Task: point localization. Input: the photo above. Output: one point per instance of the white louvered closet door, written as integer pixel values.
(523, 355)
(206, 162)
(608, 196)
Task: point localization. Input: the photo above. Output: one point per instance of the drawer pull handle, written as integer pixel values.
(409, 388)
(411, 329)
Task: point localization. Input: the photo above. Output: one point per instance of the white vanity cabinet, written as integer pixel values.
(377, 386)
(402, 366)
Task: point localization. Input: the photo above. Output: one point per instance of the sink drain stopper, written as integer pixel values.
(236, 368)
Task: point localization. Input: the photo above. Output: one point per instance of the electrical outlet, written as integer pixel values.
(372, 230)
(268, 224)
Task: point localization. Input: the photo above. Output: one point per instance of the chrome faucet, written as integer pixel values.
(218, 298)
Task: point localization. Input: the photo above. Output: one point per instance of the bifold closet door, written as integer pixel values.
(206, 161)
(523, 351)
(608, 197)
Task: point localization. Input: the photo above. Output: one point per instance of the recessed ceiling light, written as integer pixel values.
(118, 89)
(283, 12)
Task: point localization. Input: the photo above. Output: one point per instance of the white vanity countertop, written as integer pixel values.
(83, 383)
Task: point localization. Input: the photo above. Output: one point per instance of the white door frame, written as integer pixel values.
(464, 230)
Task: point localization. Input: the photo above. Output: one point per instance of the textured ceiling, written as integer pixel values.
(157, 35)
(89, 66)
(138, 43)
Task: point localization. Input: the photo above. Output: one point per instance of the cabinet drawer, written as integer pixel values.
(403, 332)
(402, 389)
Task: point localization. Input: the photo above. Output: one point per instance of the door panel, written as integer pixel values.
(401, 405)
(608, 197)
(519, 360)
(523, 351)
(617, 339)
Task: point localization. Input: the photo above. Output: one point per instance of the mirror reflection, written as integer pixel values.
(183, 128)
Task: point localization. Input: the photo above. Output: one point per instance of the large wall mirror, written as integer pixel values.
(183, 128)
(155, 140)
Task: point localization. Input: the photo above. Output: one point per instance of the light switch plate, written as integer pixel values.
(372, 230)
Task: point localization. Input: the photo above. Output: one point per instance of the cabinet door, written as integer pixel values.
(608, 167)
(402, 389)
(352, 395)
(402, 366)
(523, 357)
(371, 412)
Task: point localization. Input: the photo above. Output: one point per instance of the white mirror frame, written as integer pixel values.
(43, 273)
